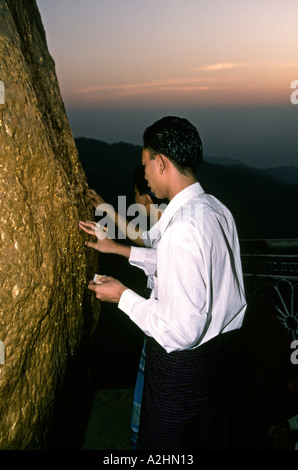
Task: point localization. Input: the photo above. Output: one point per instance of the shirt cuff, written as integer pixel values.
(128, 300)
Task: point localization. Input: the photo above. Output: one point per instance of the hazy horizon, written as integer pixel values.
(239, 132)
(225, 65)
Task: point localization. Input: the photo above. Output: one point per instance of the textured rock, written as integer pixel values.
(45, 308)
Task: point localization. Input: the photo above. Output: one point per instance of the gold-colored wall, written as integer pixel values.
(45, 268)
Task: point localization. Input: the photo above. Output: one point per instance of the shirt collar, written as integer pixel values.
(177, 202)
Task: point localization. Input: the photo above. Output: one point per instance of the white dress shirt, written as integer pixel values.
(195, 268)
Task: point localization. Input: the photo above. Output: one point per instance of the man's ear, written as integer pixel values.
(162, 162)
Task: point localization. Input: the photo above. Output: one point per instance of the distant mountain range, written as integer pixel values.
(287, 174)
(264, 202)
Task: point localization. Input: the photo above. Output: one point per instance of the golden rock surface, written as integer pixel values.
(45, 307)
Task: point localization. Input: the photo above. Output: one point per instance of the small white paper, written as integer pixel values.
(97, 278)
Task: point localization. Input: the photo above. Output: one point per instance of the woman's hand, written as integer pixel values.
(94, 198)
(104, 244)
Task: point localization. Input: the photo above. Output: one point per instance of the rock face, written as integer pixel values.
(45, 308)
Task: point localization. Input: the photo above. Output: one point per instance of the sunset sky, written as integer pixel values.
(227, 65)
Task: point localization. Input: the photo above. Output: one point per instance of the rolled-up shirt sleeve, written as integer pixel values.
(143, 258)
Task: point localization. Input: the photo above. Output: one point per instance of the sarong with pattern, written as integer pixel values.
(184, 403)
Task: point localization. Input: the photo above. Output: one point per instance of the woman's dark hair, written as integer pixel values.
(178, 140)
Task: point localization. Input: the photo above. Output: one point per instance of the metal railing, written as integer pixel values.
(270, 269)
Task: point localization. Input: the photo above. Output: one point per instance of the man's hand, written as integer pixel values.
(103, 243)
(109, 291)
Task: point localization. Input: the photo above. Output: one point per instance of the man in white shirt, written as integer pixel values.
(197, 297)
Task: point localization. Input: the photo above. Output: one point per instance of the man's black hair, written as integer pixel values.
(178, 140)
